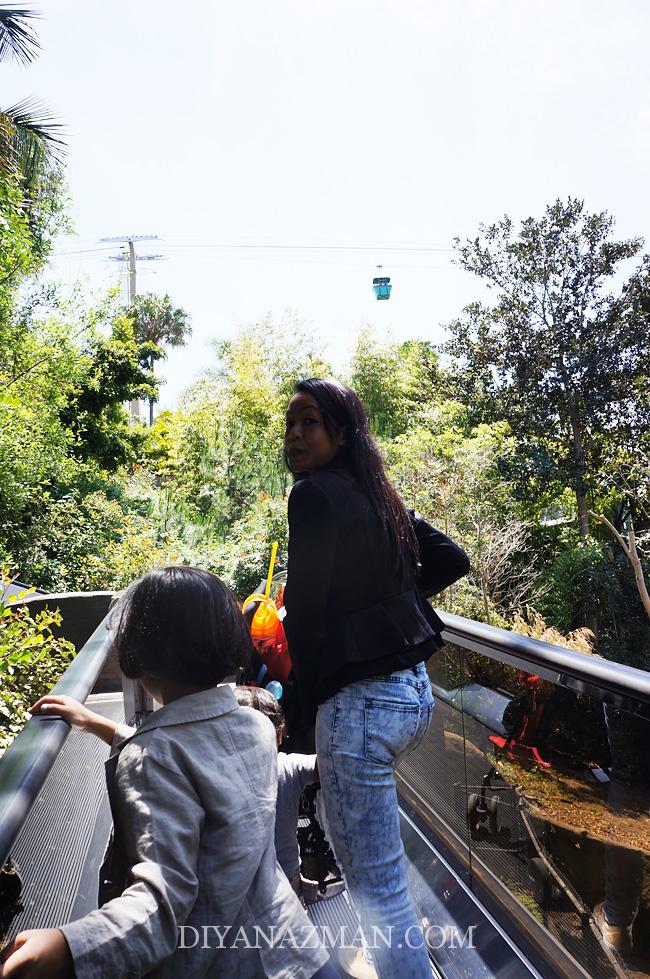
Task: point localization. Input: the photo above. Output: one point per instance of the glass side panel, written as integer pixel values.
(435, 772)
(462, 941)
(558, 807)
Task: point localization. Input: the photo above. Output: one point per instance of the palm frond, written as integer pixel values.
(29, 138)
(17, 37)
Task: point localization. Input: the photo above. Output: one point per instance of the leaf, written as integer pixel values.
(17, 37)
(30, 138)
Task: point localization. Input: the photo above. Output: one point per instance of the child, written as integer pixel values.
(295, 771)
(193, 794)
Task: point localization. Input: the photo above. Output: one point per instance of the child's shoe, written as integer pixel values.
(320, 887)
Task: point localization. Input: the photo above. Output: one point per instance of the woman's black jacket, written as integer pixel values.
(351, 614)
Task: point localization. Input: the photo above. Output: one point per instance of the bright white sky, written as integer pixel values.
(346, 122)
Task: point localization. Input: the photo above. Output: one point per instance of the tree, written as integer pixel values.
(394, 380)
(111, 374)
(224, 448)
(29, 139)
(32, 659)
(17, 39)
(30, 175)
(561, 359)
(157, 322)
(453, 475)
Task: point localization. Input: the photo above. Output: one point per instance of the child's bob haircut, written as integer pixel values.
(183, 623)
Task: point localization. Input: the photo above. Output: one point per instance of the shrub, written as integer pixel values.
(242, 560)
(32, 659)
(92, 544)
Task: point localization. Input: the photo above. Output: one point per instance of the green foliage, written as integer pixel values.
(30, 145)
(62, 420)
(156, 321)
(32, 449)
(453, 475)
(593, 575)
(243, 558)
(564, 361)
(65, 372)
(29, 219)
(17, 37)
(111, 375)
(572, 577)
(225, 448)
(91, 542)
(395, 381)
(36, 369)
(32, 658)
(16, 253)
(549, 399)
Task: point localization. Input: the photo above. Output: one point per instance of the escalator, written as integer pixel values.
(507, 859)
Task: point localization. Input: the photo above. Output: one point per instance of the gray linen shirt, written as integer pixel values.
(193, 794)
(294, 773)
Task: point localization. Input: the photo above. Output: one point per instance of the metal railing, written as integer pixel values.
(534, 779)
(458, 800)
(28, 760)
(612, 683)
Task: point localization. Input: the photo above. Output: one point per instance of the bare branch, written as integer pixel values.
(610, 526)
(632, 555)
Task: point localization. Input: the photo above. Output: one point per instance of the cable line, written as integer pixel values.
(231, 246)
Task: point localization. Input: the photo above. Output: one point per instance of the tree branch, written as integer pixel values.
(631, 554)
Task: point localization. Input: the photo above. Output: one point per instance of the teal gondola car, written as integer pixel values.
(381, 286)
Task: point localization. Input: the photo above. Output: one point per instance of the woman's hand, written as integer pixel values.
(38, 954)
(76, 715)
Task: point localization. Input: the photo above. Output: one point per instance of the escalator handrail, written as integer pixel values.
(26, 763)
(614, 683)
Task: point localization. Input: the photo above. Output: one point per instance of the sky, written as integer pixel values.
(281, 150)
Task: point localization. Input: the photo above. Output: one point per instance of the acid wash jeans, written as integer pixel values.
(361, 734)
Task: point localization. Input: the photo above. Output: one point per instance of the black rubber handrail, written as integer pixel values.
(26, 763)
(614, 683)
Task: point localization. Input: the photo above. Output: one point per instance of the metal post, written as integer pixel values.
(134, 407)
(131, 279)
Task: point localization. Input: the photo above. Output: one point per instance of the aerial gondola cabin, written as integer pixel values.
(381, 286)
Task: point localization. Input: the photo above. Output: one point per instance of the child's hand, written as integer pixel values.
(70, 710)
(77, 715)
(37, 954)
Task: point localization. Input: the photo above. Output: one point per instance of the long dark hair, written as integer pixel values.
(342, 408)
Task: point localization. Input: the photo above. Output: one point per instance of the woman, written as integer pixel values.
(359, 630)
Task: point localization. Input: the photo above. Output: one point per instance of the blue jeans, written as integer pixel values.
(361, 734)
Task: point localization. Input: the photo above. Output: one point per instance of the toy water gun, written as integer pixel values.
(268, 634)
